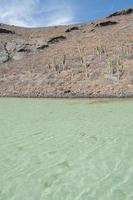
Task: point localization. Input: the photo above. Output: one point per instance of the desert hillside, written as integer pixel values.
(94, 59)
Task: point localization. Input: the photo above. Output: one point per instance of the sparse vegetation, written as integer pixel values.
(57, 63)
(83, 59)
(115, 67)
(100, 50)
(127, 50)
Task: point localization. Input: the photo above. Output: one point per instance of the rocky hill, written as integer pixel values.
(94, 59)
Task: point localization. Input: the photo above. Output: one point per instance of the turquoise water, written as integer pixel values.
(59, 149)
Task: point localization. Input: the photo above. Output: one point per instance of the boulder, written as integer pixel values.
(4, 56)
(74, 28)
(24, 48)
(54, 40)
(3, 30)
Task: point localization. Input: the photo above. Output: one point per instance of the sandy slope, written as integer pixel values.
(94, 59)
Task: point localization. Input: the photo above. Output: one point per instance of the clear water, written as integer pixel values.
(66, 149)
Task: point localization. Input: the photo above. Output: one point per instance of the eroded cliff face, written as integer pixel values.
(88, 60)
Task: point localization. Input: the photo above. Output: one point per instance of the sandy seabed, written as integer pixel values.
(66, 149)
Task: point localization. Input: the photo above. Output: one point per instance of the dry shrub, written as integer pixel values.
(83, 59)
(100, 50)
(115, 67)
(125, 49)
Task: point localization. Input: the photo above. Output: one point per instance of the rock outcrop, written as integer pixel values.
(4, 54)
(3, 30)
(106, 23)
(74, 28)
(122, 12)
(56, 39)
(42, 46)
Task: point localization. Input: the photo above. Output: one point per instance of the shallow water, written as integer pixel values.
(59, 149)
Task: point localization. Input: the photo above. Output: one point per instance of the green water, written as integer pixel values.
(55, 149)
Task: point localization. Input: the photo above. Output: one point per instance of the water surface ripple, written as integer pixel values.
(59, 149)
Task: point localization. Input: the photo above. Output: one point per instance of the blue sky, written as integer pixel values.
(33, 13)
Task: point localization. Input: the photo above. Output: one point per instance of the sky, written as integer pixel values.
(37, 13)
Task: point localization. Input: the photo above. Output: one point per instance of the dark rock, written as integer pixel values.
(122, 12)
(106, 23)
(43, 46)
(92, 30)
(24, 48)
(2, 30)
(56, 39)
(74, 28)
(67, 91)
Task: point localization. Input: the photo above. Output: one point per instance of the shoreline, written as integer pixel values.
(66, 97)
